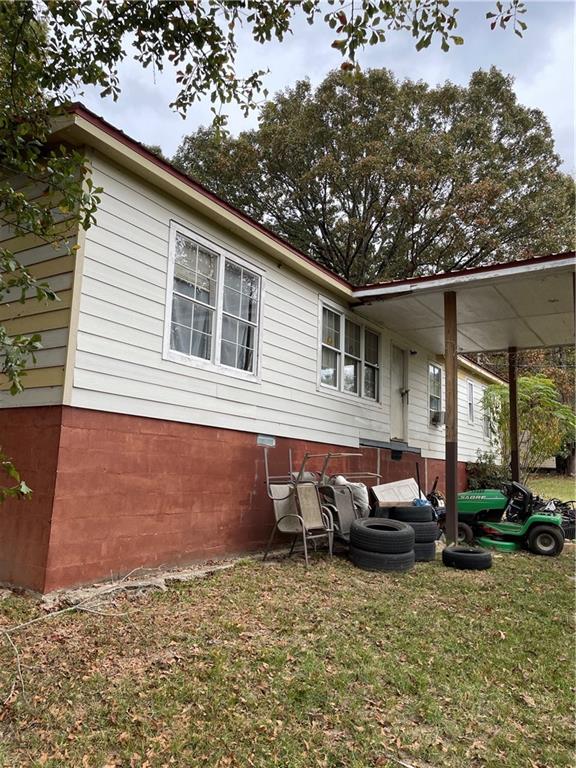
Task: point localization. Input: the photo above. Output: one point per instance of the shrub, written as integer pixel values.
(486, 472)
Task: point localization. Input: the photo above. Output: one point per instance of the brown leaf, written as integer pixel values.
(528, 699)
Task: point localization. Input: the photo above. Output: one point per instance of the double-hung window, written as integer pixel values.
(350, 355)
(470, 391)
(239, 317)
(371, 364)
(331, 346)
(193, 299)
(434, 392)
(215, 307)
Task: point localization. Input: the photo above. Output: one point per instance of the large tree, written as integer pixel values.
(379, 178)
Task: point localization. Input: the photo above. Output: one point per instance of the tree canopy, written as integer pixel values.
(377, 178)
(557, 364)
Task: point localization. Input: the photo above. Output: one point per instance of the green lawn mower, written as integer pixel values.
(506, 520)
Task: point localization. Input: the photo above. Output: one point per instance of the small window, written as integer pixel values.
(350, 358)
(470, 388)
(434, 392)
(213, 297)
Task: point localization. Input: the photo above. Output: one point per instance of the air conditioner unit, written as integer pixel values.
(437, 417)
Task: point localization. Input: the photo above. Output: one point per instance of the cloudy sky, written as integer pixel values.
(542, 64)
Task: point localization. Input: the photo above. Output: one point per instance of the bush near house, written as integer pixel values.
(545, 424)
(486, 472)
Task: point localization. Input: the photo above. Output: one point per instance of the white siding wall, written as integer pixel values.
(471, 438)
(119, 365)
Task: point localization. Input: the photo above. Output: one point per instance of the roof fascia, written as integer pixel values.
(464, 362)
(462, 280)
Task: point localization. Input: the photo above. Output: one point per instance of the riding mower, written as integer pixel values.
(506, 520)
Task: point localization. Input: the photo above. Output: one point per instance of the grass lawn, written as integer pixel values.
(553, 487)
(274, 665)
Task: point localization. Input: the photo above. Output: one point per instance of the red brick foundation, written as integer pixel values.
(115, 492)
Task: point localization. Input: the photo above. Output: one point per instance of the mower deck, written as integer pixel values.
(501, 546)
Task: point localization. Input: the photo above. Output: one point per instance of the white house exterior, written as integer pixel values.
(184, 333)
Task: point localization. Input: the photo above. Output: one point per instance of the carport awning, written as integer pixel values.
(523, 304)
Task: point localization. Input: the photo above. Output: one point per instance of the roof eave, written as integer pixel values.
(463, 279)
(80, 127)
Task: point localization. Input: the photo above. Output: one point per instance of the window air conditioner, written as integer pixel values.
(437, 417)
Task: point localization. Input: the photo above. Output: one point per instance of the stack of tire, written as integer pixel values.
(380, 544)
(421, 520)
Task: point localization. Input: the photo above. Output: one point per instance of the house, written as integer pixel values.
(187, 336)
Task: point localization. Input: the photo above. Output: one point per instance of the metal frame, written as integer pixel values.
(295, 482)
(307, 508)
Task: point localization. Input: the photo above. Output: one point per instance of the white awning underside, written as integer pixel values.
(523, 305)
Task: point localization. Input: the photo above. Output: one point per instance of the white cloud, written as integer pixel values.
(542, 64)
(551, 89)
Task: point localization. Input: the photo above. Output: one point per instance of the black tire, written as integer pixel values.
(546, 540)
(425, 552)
(412, 514)
(379, 512)
(465, 534)
(424, 533)
(379, 534)
(467, 558)
(569, 531)
(379, 561)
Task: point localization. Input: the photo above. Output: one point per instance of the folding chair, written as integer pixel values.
(298, 511)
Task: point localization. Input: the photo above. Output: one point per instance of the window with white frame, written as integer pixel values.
(350, 355)
(434, 392)
(470, 390)
(215, 307)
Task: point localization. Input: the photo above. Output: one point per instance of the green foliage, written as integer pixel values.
(486, 471)
(18, 489)
(42, 192)
(85, 42)
(545, 424)
(377, 178)
(156, 149)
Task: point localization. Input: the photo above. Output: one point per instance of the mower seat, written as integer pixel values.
(520, 501)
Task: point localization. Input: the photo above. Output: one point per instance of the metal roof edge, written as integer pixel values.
(480, 370)
(449, 279)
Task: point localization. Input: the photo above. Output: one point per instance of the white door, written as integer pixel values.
(398, 394)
